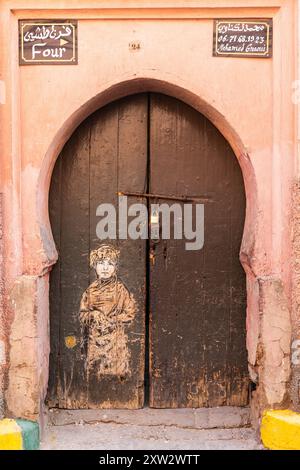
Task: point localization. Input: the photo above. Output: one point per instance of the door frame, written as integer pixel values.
(136, 86)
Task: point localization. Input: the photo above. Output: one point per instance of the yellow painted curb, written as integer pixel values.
(10, 435)
(280, 430)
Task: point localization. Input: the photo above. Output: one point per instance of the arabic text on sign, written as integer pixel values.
(46, 32)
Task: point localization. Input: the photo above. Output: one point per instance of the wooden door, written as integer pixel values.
(197, 298)
(186, 307)
(105, 155)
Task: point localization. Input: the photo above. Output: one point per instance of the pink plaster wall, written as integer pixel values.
(249, 100)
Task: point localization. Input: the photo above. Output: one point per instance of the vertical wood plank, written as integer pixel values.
(102, 391)
(118, 163)
(132, 177)
(54, 288)
(74, 267)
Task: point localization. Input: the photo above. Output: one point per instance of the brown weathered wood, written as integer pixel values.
(132, 175)
(119, 158)
(107, 150)
(54, 297)
(197, 298)
(74, 267)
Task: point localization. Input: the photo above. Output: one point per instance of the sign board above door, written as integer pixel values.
(45, 42)
(243, 38)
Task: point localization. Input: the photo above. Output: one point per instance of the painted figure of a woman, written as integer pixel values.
(106, 308)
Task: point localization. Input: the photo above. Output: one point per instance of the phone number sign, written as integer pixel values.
(243, 38)
(45, 42)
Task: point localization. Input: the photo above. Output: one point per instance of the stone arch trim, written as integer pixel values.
(115, 92)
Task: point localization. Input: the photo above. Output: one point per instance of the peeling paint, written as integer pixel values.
(70, 342)
(273, 351)
(2, 353)
(295, 349)
(2, 92)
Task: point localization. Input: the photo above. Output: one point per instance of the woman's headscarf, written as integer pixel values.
(105, 251)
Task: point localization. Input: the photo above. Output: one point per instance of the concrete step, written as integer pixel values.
(185, 418)
(128, 437)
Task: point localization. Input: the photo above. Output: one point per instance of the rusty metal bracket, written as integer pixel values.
(163, 196)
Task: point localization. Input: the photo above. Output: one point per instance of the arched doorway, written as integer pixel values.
(182, 340)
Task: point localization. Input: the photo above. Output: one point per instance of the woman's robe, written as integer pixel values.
(105, 308)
